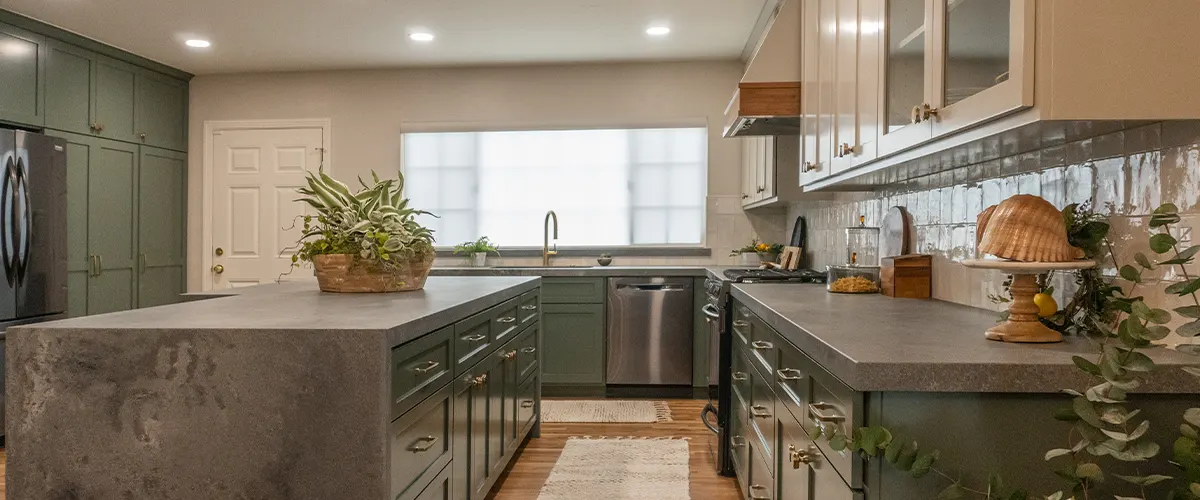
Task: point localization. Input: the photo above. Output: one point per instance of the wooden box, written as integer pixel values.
(907, 276)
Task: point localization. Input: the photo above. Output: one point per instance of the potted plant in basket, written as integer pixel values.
(757, 252)
(478, 250)
(367, 241)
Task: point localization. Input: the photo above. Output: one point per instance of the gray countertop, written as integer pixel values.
(583, 271)
(877, 343)
(300, 306)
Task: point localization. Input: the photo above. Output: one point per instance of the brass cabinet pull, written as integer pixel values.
(529, 350)
(759, 411)
(99, 127)
(92, 265)
(761, 189)
(740, 376)
(916, 115)
(740, 323)
(529, 307)
(506, 319)
(528, 403)
(480, 380)
(801, 456)
(423, 444)
(509, 356)
(789, 374)
(475, 338)
(427, 368)
(809, 166)
(758, 487)
(761, 345)
(744, 196)
(737, 441)
(141, 263)
(99, 265)
(928, 111)
(817, 412)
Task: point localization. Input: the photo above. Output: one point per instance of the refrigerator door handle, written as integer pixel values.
(7, 202)
(26, 220)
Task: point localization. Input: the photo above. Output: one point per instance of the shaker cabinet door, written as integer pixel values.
(161, 111)
(112, 226)
(22, 76)
(115, 97)
(70, 88)
(162, 226)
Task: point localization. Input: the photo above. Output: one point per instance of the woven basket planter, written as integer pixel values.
(346, 273)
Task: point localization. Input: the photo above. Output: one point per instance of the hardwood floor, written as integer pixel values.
(529, 470)
(523, 480)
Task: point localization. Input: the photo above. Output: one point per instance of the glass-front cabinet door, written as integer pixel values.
(985, 61)
(906, 57)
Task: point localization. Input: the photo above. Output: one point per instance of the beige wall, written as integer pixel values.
(370, 109)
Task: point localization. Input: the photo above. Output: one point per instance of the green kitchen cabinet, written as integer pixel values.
(573, 290)
(22, 76)
(112, 226)
(573, 340)
(70, 88)
(162, 226)
(79, 262)
(116, 95)
(162, 104)
(475, 432)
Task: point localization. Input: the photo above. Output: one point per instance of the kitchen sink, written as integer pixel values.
(538, 267)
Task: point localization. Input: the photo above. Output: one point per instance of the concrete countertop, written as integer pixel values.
(585, 271)
(301, 306)
(878, 343)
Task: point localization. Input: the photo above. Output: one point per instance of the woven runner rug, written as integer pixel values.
(604, 411)
(619, 469)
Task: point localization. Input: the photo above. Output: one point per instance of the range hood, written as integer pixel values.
(767, 100)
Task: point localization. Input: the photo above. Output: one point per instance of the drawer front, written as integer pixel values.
(836, 406)
(419, 368)
(828, 485)
(527, 352)
(573, 290)
(742, 326)
(796, 453)
(764, 346)
(762, 417)
(762, 482)
(526, 405)
(527, 311)
(420, 444)
(739, 443)
(472, 339)
(741, 375)
(793, 380)
(504, 321)
(439, 489)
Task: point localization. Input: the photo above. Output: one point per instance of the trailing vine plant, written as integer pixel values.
(1105, 425)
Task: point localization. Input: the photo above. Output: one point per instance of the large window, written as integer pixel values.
(609, 187)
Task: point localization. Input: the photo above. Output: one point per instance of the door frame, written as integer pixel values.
(206, 184)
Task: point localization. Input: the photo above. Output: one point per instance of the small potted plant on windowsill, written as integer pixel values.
(747, 255)
(477, 250)
(768, 252)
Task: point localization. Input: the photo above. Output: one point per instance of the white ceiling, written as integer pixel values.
(282, 35)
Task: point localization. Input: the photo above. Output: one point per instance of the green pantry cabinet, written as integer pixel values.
(126, 127)
(464, 399)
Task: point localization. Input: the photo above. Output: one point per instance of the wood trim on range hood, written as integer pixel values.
(767, 101)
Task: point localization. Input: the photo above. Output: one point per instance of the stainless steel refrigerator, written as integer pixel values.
(33, 232)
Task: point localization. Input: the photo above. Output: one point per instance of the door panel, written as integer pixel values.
(826, 86)
(870, 22)
(480, 428)
(162, 226)
(22, 62)
(70, 81)
(162, 111)
(80, 150)
(498, 416)
(112, 226)
(810, 169)
(115, 97)
(845, 84)
(254, 218)
(573, 340)
(906, 55)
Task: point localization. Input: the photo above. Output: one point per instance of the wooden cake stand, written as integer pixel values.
(1023, 324)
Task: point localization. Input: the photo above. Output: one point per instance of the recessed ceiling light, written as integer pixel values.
(658, 31)
(421, 37)
(197, 43)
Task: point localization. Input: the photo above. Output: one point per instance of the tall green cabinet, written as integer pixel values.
(125, 120)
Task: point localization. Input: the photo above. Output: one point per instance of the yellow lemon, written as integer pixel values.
(1047, 306)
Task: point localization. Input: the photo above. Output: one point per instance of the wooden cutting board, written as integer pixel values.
(895, 238)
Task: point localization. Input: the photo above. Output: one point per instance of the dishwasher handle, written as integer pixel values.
(651, 287)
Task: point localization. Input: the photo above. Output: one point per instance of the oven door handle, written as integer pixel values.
(711, 311)
(708, 408)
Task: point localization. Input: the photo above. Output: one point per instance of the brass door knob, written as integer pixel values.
(218, 269)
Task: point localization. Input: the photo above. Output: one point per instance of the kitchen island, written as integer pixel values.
(806, 359)
(280, 392)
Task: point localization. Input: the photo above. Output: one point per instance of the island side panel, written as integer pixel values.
(179, 414)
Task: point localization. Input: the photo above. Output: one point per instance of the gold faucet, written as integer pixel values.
(546, 251)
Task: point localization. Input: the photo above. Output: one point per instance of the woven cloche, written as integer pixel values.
(1026, 228)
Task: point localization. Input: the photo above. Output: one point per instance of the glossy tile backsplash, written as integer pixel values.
(1127, 170)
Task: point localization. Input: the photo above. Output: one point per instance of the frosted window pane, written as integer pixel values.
(458, 188)
(420, 150)
(456, 227)
(687, 187)
(458, 150)
(689, 145)
(421, 187)
(651, 145)
(649, 226)
(650, 186)
(685, 226)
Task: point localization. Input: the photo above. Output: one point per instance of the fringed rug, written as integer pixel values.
(604, 411)
(620, 469)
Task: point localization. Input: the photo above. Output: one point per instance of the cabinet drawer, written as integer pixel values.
(739, 443)
(419, 368)
(762, 481)
(796, 453)
(527, 352)
(742, 326)
(762, 417)
(472, 338)
(420, 444)
(836, 406)
(828, 485)
(793, 380)
(504, 321)
(764, 346)
(526, 405)
(573, 290)
(741, 376)
(527, 311)
(439, 489)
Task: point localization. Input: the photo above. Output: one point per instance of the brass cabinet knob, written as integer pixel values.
(928, 111)
(809, 166)
(142, 136)
(509, 356)
(761, 189)
(801, 456)
(845, 150)
(218, 269)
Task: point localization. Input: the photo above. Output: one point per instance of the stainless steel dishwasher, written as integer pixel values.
(650, 331)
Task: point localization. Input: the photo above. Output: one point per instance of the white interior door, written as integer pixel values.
(255, 173)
